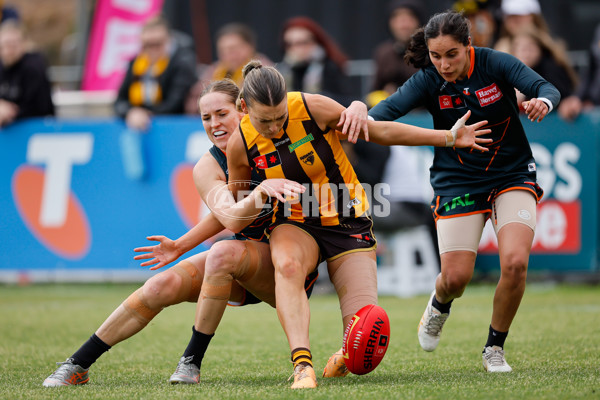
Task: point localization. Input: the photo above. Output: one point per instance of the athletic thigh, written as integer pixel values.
(518, 206)
(291, 245)
(460, 233)
(182, 282)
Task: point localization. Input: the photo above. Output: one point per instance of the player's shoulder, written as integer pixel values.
(425, 79)
(493, 58)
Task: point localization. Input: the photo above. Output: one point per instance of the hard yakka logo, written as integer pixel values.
(308, 158)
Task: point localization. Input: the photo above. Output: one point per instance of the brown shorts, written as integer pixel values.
(352, 234)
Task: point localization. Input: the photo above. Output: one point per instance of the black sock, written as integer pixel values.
(197, 346)
(443, 308)
(89, 352)
(496, 338)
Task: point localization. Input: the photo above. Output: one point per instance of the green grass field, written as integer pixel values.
(554, 348)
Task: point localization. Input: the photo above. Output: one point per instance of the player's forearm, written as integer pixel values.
(202, 231)
(237, 216)
(390, 133)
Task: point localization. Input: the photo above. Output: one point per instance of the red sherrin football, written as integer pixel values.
(366, 339)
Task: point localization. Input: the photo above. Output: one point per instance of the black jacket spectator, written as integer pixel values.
(175, 82)
(26, 84)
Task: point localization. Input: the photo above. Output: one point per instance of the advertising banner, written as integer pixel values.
(114, 40)
(69, 211)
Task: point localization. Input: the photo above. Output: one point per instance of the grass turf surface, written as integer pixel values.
(553, 348)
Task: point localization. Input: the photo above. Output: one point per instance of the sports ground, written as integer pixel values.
(553, 348)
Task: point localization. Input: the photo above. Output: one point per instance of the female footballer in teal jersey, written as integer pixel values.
(246, 261)
(471, 186)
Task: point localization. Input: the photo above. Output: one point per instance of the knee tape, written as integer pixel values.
(356, 286)
(216, 287)
(137, 306)
(248, 263)
(191, 282)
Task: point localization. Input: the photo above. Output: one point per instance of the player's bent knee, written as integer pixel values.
(221, 258)
(288, 268)
(515, 270)
(456, 284)
(161, 290)
(137, 305)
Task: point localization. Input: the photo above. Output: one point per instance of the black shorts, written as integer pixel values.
(352, 234)
(477, 203)
(309, 284)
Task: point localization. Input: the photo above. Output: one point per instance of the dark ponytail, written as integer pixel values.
(449, 23)
(417, 53)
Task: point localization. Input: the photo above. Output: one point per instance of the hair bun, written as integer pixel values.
(252, 64)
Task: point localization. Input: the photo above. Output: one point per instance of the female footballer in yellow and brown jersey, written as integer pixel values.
(303, 152)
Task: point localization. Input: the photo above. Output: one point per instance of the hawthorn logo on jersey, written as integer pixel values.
(268, 160)
(488, 95)
(451, 101)
(309, 158)
(300, 142)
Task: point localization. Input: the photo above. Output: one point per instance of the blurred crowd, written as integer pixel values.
(165, 78)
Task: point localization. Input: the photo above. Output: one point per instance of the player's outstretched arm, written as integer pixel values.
(167, 250)
(460, 135)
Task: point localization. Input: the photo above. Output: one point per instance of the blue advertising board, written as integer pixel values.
(70, 211)
(71, 208)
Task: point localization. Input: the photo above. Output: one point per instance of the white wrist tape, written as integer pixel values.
(453, 132)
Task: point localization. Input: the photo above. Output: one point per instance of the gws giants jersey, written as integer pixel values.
(489, 92)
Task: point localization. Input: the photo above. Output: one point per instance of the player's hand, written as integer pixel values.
(353, 120)
(282, 189)
(468, 135)
(165, 252)
(535, 109)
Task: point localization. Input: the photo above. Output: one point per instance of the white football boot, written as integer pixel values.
(494, 361)
(186, 372)
(430, 327)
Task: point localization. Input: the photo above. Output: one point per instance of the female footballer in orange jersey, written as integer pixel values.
(290, 139)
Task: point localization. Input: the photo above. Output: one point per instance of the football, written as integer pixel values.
(366, 339)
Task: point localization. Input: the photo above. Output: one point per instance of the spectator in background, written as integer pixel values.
(391, 71)
(312, 61)
(481, 15)
(236, 46)
(588, 93)
(25, 90)
(536, 49)
(518, 15)
(8, 13)
(157, 81)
